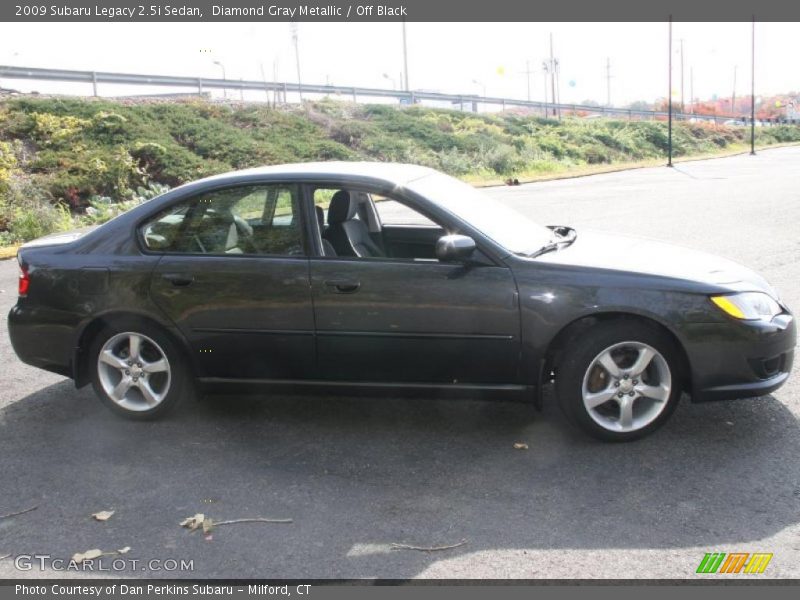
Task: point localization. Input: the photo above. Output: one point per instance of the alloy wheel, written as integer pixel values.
(134, 371)
(627, 386)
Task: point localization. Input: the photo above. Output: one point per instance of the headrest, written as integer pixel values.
(342, 208)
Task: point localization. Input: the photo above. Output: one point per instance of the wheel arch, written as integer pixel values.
(93, 326)
(581, 324)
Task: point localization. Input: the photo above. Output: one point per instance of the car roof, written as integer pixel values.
(396, 173)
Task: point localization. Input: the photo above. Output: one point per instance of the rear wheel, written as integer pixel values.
(620, 380)
(137, 371)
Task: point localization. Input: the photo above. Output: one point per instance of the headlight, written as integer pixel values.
(750, 306)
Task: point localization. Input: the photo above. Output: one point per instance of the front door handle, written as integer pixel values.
(343, 286)
(178, 279)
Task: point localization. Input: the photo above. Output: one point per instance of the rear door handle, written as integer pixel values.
(178, 279)
(343, 286)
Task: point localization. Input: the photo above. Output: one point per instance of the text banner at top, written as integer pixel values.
(390, 10)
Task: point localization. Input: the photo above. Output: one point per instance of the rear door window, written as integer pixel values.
(254, 219)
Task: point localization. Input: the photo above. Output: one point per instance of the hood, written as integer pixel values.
(639, 255)
(57, 239)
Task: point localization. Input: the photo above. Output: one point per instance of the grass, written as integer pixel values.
(67, 162)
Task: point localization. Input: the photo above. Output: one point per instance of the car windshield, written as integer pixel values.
(507, 227)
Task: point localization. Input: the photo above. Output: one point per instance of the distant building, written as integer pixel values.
(793, 110)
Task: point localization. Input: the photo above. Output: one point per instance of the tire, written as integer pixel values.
(612, 400)
(142, 385)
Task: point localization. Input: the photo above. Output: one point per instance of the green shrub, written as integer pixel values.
(100, 157)
(8, 164)
(27, 212)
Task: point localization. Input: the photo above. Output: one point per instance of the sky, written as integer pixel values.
(467, 58)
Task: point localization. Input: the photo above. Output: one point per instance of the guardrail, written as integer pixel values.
(282, 88)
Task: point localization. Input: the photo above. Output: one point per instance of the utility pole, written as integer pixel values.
(297, 60)
(691, 90)
(669, 97)
(544, 80)
(733, 96)
(608, 81)
(528, 76)
(683, 103)
(753, 87)
(405, 58)
(275, 94)
(558, 87)
(552, 75)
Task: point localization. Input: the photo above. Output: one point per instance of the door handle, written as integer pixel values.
(178, 279)
(343, 286)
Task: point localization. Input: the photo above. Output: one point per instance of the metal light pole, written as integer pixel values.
(528, 75)
(276, 96)
(483, 85)
(394, 83)
(224, 78)
(753, 88)
(297, 60)
(558, 87)
(405, 58)
(683, 103)
(264, 77)
(669, 96)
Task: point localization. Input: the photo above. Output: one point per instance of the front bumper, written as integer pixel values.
(740, 359)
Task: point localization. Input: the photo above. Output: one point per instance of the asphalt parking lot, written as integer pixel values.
(359, 474)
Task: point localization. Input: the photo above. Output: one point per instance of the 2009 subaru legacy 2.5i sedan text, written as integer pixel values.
(368, 275)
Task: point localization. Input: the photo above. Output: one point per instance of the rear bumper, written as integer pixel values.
(740, 359)
(41, 341)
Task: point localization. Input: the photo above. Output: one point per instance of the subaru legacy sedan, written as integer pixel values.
(338, 276)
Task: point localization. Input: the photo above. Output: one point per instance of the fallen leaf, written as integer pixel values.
(520, 446)
(103, 515)
(192, 523)
(88, 555)
(124, 550)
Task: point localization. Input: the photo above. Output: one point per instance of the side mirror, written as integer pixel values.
(454, 248)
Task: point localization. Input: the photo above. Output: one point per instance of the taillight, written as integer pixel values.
(24, 281)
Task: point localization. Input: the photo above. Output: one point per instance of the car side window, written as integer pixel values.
(253, 219)
(392, 212)
(367, 225)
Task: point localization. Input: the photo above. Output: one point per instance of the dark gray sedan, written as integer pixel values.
(382, 276)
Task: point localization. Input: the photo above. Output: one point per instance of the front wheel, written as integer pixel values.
(137, 371)
(619, 381)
